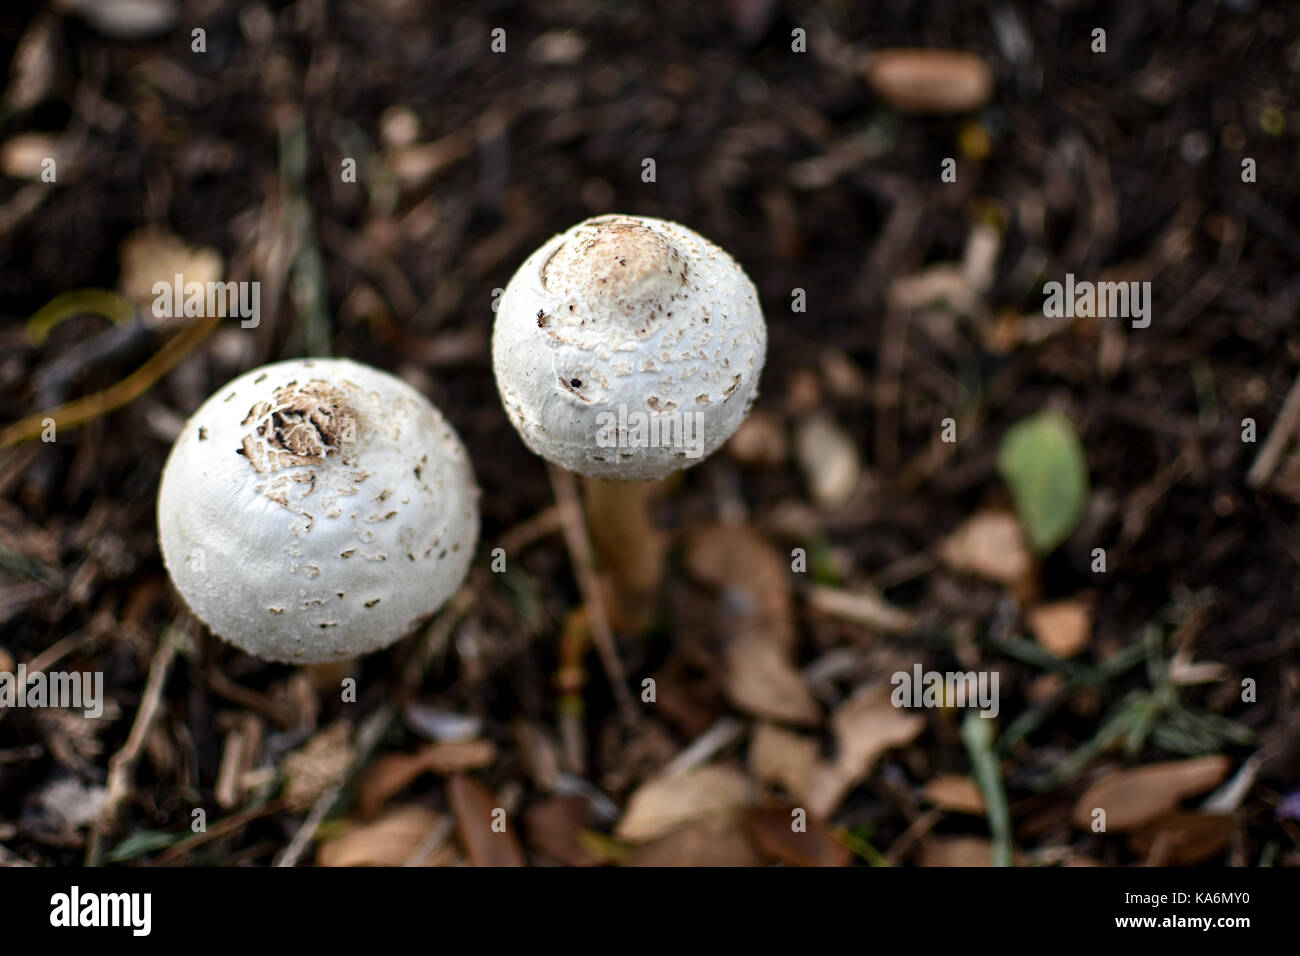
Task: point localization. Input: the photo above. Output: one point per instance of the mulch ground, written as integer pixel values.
(1123, 165)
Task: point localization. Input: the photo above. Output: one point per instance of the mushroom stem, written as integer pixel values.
(327, 677)
(630, 547)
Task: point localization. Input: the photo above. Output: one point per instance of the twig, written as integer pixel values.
(222, 827)
(227, 689)
(722, 734)
(59, 650)
(90, 407)
(372, 731)
(861, 846)
(13, 463)
(905, 569)
(23, 203)
(584, 569)
(431, 843)
(121, 768)
(925, 463)
(55, 653)
(1137, 513)
(434, 640)
(1281, 433)
(862, 608)
(545, 522)
(889, 373)
(10, 858)
(919, 828)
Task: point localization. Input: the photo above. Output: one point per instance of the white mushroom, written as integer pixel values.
(628, 347)
(315, 510)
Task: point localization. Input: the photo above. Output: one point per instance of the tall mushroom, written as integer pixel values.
(315, 510)
(627, 348)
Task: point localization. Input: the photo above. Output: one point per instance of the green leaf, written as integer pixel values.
(825, 570)
(1043, 462)
(145, 841)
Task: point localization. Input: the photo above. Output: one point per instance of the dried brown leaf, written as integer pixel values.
(990, 545)
(785, 758)
(554, 826)
(1183, 839)
(663, 804)
(457, 756)
(830, 460)
(389, 841)
(319, 765)
(387, 776)
(866, 726)
(929, 81)
(418, 164)
(707, 843)
(485, 833)
(151, 255)
(960, 851)
(392, 773)
(955, 792)
(1132, 798)
(737, 556)
(773, 831)
(759, 441)
(1064, 628)
(34, 67)
(23, 156)
(759, 679)
(125, 19)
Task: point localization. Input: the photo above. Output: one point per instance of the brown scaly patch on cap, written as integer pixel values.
(302, 425)
(628, 268)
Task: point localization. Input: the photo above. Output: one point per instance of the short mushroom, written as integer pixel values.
(628, 348)
(315, 510)
(624, 349)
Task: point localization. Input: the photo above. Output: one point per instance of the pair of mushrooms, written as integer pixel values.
(315, 510)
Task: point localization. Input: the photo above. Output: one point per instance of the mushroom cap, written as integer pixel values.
(315, 510)
(628, 347)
